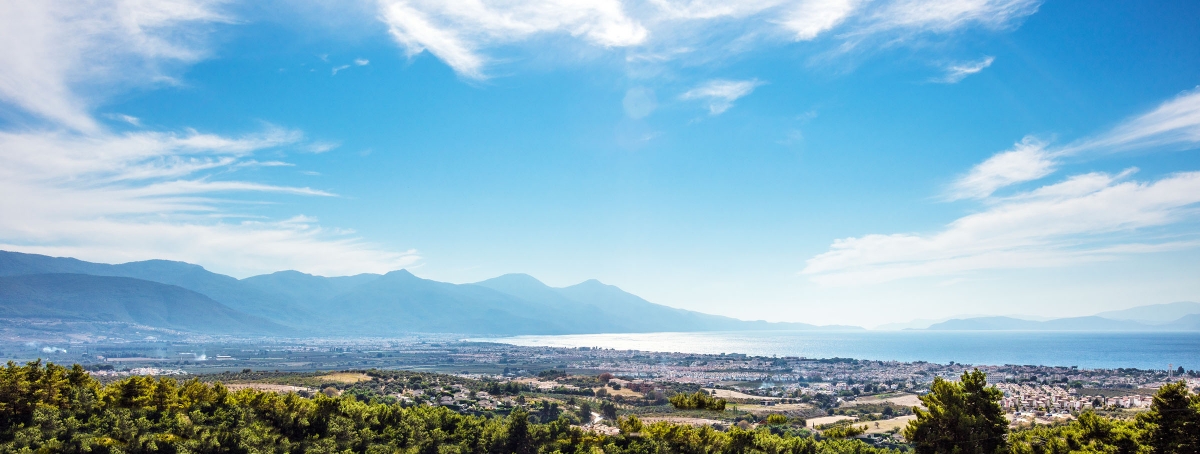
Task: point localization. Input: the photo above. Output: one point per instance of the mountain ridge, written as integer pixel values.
(400, 302)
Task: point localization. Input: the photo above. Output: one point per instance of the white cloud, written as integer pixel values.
(808, 19)
(1028, 160)
(1084, 218)
(339, 68)
(321, 146)
(463, 33)
(959, 71)
(1092, 216)
(720, 94)
(141, 195)
(456, 31)
(1173, 123)
(361, 62)
(52, 48)
(73, 187)
(125, 118)
(941, 16)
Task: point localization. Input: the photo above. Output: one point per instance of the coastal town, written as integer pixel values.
(825, 383)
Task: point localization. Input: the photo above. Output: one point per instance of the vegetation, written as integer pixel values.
(776, 419)
(963, 417)
(699, 400)
(49, 408)
(846, 431)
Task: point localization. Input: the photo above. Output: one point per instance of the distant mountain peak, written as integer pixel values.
(515, 278)
(400, 273)
(593, 283)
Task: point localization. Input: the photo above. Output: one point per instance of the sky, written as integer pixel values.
(822, 161)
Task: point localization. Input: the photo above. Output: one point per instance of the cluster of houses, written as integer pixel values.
(1024, 398)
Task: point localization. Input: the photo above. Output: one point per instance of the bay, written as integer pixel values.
(1090, 350)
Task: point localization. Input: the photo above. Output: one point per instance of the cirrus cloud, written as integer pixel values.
(141, 195)
(719, 94)
(462, 33)
(1085, 217)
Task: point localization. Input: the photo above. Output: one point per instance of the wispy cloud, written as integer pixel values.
(463, 33)
(1028, 160)
(1087, 217)
(1175, 123)
(52, 48)
(719, 94)
(143, 195)
(321, 146)
(1083, 218)
(71, 186)
(457, 31)
(959, 71)
(125, 118)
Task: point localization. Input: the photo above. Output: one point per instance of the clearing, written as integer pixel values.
(344, 377)
(269, 387)
(682, 420)
(814, 422)
(727, 394)
(876, 427)
(903, 400)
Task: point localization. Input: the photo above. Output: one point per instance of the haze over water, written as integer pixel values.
(1091, 350)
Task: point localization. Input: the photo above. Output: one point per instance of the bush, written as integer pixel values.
(699, 400)
(849, 431)
(777, 419)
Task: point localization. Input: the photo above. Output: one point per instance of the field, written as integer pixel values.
(727, 394)
(903, 400)
(344, 377)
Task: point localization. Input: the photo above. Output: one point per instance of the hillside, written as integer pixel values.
(80, 297)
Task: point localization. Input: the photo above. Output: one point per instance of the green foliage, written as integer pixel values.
(608, 410)
(1173, 424)
(1170, 427)
(630, 425)
(48, 408)
(501, 389)
(847, 431)
(1090, 433)
(699, 400)
(776, 419)
(963, 417)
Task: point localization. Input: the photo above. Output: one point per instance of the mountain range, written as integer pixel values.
(1179, 316)
(186, 297)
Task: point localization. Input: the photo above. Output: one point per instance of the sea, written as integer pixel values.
(1088, 350)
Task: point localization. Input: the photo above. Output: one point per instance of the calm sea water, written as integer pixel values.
(1083, 349)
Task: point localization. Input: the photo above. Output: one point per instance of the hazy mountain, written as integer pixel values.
(221, 288)
(1155, 313)
(1185, 323)
(81, 297)
(398, 302)
(1091, 323)
(624, 311)
(306, 290)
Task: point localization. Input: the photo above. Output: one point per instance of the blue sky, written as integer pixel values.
(823, 161)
